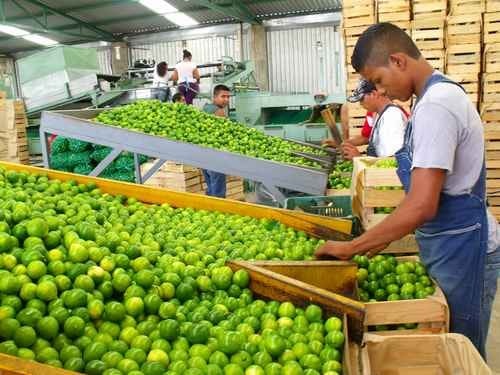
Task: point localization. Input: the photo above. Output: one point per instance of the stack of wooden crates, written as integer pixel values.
(460, 38)
(13, 138)
(490, 101)
(185, 178)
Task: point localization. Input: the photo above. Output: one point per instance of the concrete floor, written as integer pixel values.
(493, 344)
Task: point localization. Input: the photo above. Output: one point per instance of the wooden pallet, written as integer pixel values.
(491, 58)
(463, 29)
(428, 34)
(491, 28)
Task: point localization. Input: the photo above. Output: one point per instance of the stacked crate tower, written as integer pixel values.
(428, 30)
(13, 138)
(463, 45)
(490, 101)
(357, 16)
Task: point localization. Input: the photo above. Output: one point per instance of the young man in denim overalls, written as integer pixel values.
(441, 166)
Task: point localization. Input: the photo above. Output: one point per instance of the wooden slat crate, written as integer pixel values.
(429, 9)
(491, 58)
(13, 124)
(435, 57)
(491, 28)
(428, 34)
(370, 183)
(431, 313)
(492, 6)
(463, 29)
(463, 58)
(394, 11)
(174, 176)
(470, 82)
(490, 94)
(467, 7)
(355, 14)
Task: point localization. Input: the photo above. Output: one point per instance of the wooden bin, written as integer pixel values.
(369, 184)
(429, 9)
(463, 28)
(421, 355)
(431, 313)
(314, 225)
(491, 28)
(10, 365)
(305, 283)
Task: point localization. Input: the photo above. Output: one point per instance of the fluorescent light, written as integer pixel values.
(158, 6)
(38, 39)
(181, 19)
(12, 30)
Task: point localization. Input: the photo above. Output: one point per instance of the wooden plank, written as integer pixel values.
(357, 11)
(467, 7)
(371, 197)
(314, 225)
(403, 16)
(373, 177)
(492, 6)
(10, 365)
(491, 31)
(358, 21)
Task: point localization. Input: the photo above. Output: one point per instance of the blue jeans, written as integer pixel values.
(491, 275)
(162, 94)
(216, 183)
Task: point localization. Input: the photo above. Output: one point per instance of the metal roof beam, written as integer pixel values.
(76, 8)
(103, 33)
(235, 12)
(45, 31)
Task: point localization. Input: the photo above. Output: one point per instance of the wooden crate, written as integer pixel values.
(435, 57)
(369, 184)
(174, 176)
(491, 58)
(470, 83)
(491, 27)
(307, 282)
(429, 9)
(431, 313)
(467, 7)
(355, 14)
(492, 6)
(403, 354)
(463, 29)
(490, 93)
(394, 11)
(428, 34)
(463, 58)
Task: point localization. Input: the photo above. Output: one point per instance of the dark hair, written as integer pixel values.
(378, 42)
(186, 54)
(177, 97)
(219, 88)
(161, 68)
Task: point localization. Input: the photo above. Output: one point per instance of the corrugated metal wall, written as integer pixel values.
(204, 50)
(295, 59)
(104, 60)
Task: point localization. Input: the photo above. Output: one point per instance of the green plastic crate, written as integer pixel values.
(336, 206)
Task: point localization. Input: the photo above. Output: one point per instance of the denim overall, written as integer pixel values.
(371, 150)
(453, 245)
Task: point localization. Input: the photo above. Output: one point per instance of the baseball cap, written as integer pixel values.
(364, 87)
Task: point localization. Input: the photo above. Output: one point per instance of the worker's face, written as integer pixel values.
(393, 79)
(369, 101)
(221, 100)
(181, 100)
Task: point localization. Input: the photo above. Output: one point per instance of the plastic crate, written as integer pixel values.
(335, 206)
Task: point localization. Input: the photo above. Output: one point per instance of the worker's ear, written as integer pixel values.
(398, 61)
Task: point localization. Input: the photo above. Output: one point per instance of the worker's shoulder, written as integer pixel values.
(445, 93)
(209, 108)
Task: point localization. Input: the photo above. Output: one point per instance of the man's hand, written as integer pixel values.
(329, 143)
(336, 249)
(349, 150)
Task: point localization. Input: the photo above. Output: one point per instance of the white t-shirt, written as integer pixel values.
(448, 134)
(185, 71)
(160, 81)
(390, 131)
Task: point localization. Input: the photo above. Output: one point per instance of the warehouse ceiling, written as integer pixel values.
(69, 21)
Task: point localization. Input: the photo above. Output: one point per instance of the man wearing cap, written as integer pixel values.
(387, 134)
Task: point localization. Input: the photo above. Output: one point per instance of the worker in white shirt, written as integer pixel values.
(161, 91)
(187, 76)
(388, 130)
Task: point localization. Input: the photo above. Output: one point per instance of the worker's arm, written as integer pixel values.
(419, 206)
(175, 76)
(359, 140)
(196, 75)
